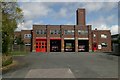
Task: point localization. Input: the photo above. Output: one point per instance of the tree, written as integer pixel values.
(19, 40)
(11, 15)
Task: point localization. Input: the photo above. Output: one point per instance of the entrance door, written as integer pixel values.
(41, 45)
(37, 46)
(94, 46)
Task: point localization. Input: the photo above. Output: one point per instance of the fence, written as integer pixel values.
(19, 47)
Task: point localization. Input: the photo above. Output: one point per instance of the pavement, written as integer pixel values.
(65, 65)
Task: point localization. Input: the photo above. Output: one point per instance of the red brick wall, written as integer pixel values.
(80, 17)
(99, 40)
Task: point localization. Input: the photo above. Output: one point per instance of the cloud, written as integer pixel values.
(68, 0)
(103, 27)
(113, 28)
(34, 10)
(38, 10)
(98, 6)
(104, 20)
(28, 24)
(20, 27)
(93, 6)
(39, 22)
(63, 12)
(25, 26)
(106, 23)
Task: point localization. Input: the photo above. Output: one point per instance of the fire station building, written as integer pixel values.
(67, 38)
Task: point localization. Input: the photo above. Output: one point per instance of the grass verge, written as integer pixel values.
(9, 67)
(19, 53)
(6, 60)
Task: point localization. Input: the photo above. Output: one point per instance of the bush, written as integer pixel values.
(6, 60)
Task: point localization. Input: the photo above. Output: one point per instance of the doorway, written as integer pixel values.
(55, 45)
(83, 45)
(41, 45)
(94, 48)
(69, 45)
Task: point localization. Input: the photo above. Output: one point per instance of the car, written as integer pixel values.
(68, 49)
(54, 48)
(81, 48)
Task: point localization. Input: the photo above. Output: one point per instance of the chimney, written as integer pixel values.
(80, 14)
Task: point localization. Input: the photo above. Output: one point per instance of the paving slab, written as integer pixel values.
(50, 73)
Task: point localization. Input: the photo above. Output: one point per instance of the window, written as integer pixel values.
(40, 31)
(103, 36)
(54, 31)
(51, 32)
(94, 35)
(69, 32)
(82, 32)
(27, 44)
(103, 44)
(37, 31)
(27, 35)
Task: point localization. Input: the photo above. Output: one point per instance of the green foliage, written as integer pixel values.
(19, 40)
(6, 60)
(11, 15)
(6, 41)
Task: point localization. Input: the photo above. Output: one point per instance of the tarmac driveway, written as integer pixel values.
(66, 65)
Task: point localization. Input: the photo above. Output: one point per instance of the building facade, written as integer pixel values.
(67, 38)
(116, 44)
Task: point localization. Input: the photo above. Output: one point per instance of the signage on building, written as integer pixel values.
(99, 47)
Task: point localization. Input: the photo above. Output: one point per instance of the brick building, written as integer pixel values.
(67, 38)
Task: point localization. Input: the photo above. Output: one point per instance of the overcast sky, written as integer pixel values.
(101, 15)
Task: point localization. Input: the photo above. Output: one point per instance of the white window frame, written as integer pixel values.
(69, 32)
(41, 31)
(27, 44)
(82, 32)
(94, 35)
(103, 36)
(104, 44)
(27, 35)
(55, 31)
